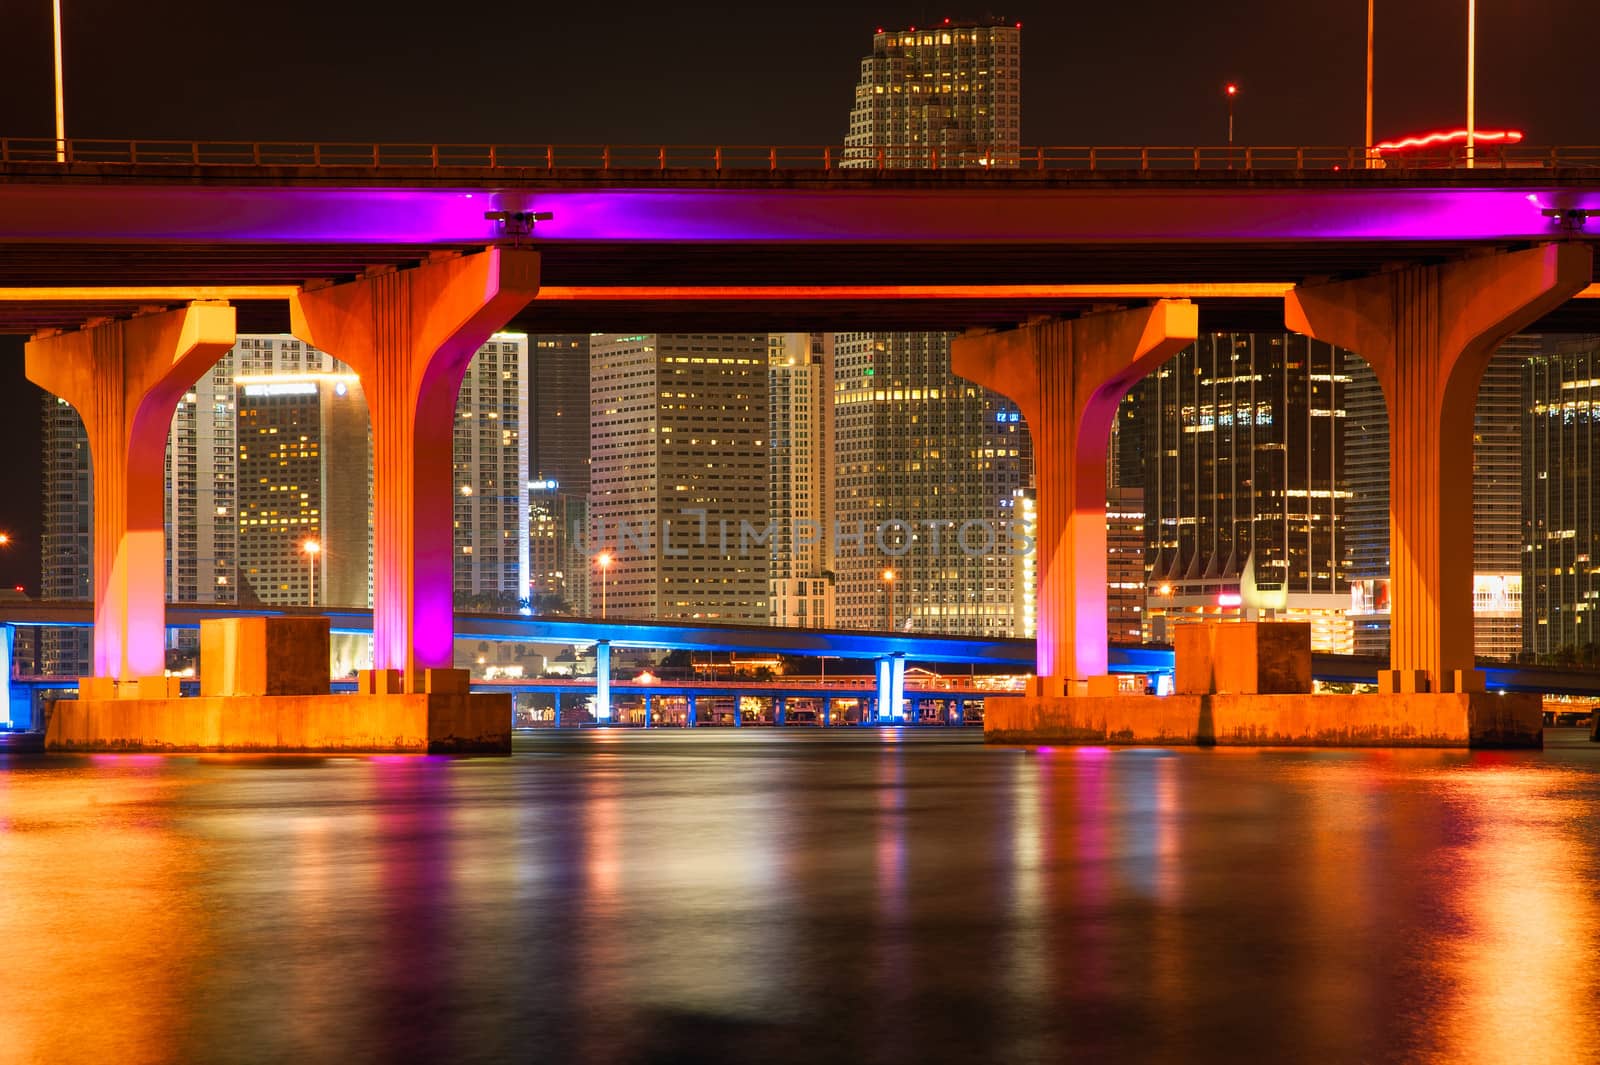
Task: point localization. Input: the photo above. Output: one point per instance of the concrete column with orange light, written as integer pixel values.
(1068, 376)
(1429, 332)
(409, 334)
(125, 378)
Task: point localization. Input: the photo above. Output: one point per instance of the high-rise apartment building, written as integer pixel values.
(1561, 498)
(1244, 463)
(800, 456)
(490, 460)
(679, 479)
(921, 453)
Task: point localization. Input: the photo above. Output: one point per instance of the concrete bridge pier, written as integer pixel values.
(1429, 332)
(1068, 378)
(125, 378)
(409, 334)
(891, 687)
(602, 681)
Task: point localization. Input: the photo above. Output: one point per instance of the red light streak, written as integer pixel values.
(1489, 136)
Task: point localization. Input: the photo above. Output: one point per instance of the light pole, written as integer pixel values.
(888, 595)
(312, 549)
(1369, 83)
(1472, 77)
(603, 560)
(1231, 91)
(61, 99)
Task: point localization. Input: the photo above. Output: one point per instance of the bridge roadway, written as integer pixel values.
(801, 244)
(992, 654)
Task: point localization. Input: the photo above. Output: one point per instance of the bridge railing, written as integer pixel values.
(722, 158)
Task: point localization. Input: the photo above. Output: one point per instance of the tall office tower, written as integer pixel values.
(201, 520)
(303, 476)
(491, 478)
(800, 455)
(1561, 498)
(558, 466)
(1496, 505)
(1244, 459)
(67, 534)
(918, 448)
(679, 483)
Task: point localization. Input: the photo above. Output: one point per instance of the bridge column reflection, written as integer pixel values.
(1068, 378)
(125, 378)
(1429, 332)
(409, 334)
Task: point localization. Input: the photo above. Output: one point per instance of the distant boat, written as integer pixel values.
(1250, 596)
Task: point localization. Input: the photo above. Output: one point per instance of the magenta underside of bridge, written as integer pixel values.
(88, 225)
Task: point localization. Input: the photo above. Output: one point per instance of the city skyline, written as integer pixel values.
(1419, 75)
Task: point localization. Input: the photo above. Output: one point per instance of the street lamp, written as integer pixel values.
(603, 560)
(312, 549)
(5, 539)
(888, 595)
(1231, 91)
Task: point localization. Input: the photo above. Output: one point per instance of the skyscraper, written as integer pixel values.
(558, 466)
(490, 460)
(679, 479)
(800, 454)
(1244, 460)
(918, 448)
(67, 534)
(1561, 498)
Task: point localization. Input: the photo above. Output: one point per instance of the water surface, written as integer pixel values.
(789, 896)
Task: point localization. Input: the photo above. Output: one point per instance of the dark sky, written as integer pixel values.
(1125, 72)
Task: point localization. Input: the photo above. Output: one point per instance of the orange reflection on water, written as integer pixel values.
(1524, 961)
(103, 917)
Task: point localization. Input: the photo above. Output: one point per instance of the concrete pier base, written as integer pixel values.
(1428, 719)
(397, 723)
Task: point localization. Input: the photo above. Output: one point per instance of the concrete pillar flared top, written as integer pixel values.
(1429, 332)
(409, 334)
(125, 378)
(1068, 376)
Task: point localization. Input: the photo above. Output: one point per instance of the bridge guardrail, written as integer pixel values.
(720, 158)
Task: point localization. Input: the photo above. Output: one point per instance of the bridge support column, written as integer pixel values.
(827, 711)
(647, 711)
(602, 683)
(19, 709)
(779, 706)
(125, 379)
(555, 711)
(1429, 332)
(891, 687)
(1068, 378)
(689, 717)
(409, 335)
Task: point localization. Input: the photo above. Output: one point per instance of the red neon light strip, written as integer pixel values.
(1510, 136)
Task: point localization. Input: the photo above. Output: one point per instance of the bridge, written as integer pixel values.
(896, 650)
(401, 260)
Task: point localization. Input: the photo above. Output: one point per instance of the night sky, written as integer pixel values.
(1134, 72)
